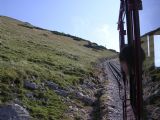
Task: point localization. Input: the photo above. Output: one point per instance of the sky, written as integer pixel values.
(93, 20)
(150, 16)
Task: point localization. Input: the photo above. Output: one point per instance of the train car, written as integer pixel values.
(150, 43)
(144, 78)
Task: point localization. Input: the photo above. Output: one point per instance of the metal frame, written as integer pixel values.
(130, 9)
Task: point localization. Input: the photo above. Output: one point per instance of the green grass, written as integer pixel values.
(50, 108)
(31, 53)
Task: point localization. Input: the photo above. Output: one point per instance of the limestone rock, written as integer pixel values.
(13, 112)
(30, 85)
(52, 85)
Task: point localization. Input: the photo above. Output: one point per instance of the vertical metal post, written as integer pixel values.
(131, 8)
(129, 22)
(121, 26)
(138, 62)
(122, 33)
(125, 98)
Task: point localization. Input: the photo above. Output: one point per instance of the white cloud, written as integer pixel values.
(102, 34)
(107, 36)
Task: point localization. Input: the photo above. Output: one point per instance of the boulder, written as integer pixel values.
(88, 101)
(85, 98)
(62, 92)
(13, 112)
(30, 85)
(79, 95)
(30, 95)
(52, 85)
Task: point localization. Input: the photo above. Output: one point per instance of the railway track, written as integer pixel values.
(115, 71)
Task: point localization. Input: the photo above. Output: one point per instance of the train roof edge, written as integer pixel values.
(152, 32)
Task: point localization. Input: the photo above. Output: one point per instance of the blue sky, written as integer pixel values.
(94, 20)
(150, 15)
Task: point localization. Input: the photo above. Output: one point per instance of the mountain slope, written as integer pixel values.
(31, 57)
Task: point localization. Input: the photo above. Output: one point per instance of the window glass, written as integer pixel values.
(157, 50)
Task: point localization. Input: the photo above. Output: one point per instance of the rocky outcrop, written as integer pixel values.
(57, 89)
(85, 99)
(30, 85)
(33, 86)
(151, 97)
(13, 112)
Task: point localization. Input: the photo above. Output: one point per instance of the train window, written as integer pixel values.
(126, 41)
(157, 50)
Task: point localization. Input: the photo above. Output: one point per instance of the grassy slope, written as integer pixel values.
(28, 53)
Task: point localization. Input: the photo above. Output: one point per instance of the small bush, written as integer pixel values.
(94, 46)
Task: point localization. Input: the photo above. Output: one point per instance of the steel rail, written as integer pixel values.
(116, 73)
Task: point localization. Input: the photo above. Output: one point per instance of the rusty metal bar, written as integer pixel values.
(121, 45)
(122, 32)
(129, 22)
(131, 9)
(138, 63)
